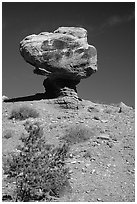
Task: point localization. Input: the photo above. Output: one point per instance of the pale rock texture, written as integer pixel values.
(4, 98)
(64, 53)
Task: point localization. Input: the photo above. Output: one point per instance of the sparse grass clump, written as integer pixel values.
(77, 134)
(23, 112)
(8, 134)
(87, 154)
(38, 169)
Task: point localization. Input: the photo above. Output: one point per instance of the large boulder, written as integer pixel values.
(64, 57)
(64, 53)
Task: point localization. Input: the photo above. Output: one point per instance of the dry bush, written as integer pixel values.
(8, 134)
(38, 169)
(77, 134)
(23, 112)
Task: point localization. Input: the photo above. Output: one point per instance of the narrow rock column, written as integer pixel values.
(60, 87)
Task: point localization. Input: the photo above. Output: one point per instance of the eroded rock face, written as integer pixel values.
(63, 56)
(64, 53)
(60, 87)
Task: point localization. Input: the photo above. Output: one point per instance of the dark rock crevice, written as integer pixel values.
(59, 87)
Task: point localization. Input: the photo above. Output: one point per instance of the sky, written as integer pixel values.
(110, 27)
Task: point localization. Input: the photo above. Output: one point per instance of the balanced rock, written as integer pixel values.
(63, 56)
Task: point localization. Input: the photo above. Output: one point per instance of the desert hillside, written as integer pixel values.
(101, 154)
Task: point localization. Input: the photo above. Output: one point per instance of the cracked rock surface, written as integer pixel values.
(64, 53)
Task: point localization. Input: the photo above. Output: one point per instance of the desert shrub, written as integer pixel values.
(87, 154)
(38, 168)
(8, 134)
(108, 110)
(23, 112)
(77, 134)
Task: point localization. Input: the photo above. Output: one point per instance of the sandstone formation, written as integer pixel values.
(63, 56)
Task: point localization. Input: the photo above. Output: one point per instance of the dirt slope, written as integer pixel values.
(102, 168)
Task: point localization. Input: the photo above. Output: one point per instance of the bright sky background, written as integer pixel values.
(111, 29)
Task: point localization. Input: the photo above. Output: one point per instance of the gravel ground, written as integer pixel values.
(103, 167)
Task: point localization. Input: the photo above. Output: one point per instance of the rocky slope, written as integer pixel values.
(102, 168)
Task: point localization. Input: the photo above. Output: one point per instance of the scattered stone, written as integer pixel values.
(73, 162)
(92, 109)
(103, 137)
(104, 121)
(70, 171)
(81, 121)
(84, 170)
(99, 199)
(92, 159)
(93, 171)
(110, 144)
(88, 191)
(70, 155)
(87, 165)
(96, 118)
(54, 121)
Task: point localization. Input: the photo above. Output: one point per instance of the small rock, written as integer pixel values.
(70, 171)
(110, 144)
(71, 155)
(88, 191)
(93, 171)
(81, 121)
(103, 137)
(92, 109)
(96, 118)
(54, 121)
(104, 121)
(13, 120)
(99, 199)
(84, 170)
(92, 159)
(87, 165)
(73, 162)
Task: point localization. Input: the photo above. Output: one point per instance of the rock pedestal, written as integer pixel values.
(63, 56)
(60, 87)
